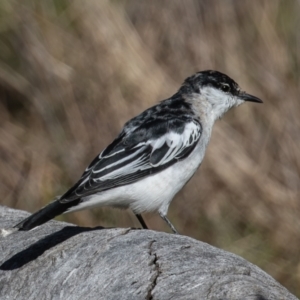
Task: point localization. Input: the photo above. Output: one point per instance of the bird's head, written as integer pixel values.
(214, 93)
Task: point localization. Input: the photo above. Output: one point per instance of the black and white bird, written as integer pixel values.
(154, 156)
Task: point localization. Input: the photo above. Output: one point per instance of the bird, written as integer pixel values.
(155, 154)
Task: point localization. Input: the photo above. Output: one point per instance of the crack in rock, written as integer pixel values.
(157, 271)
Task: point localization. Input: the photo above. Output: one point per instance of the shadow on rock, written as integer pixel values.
(37, 249)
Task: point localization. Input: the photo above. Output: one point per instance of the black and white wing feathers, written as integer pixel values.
(138, 152)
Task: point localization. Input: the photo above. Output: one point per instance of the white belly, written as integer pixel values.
(153, 193)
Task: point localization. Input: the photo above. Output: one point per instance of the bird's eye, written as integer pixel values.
(225, 87)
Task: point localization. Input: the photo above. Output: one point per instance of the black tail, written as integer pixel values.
(45, 214)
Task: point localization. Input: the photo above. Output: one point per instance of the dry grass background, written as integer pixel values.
(72, 72)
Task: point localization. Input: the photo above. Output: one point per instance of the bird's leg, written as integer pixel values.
(164, 217)
(141, 221)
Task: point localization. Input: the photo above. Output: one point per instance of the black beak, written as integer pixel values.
(250, 98)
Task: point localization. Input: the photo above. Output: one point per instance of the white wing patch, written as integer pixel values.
(177, 142)
(132, 167)
(128, 157)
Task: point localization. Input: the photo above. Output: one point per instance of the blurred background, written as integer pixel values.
(73, 72)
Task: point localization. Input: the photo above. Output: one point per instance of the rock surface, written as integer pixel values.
(62, 261)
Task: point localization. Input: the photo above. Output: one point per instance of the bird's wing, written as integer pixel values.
(145, 150)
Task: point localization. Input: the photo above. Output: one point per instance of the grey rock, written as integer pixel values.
(62, 261)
